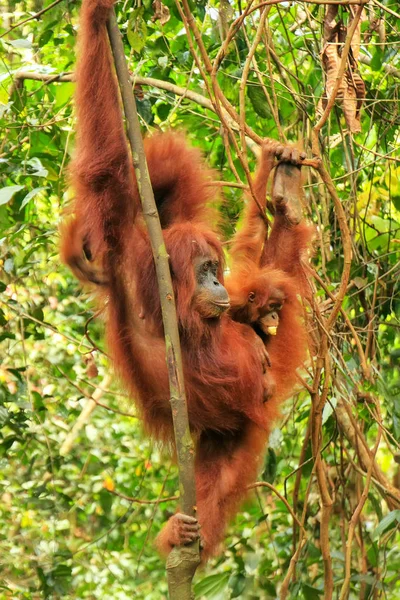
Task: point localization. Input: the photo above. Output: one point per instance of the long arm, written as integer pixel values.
(102, 174)
(284, 249)
(289, 237)
(277, 270)
(107, 199)
(99, 239)
(249, 240)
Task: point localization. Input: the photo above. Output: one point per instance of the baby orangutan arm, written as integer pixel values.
(289, 236)
(249, 240)
(264, 284)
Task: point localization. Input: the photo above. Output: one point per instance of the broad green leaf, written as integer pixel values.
(388, 522)
(137, 30)
(373, 554)
(21, 43)
(45, 37)
(328, 409)
(311, 593)
(36, 165)
(237, 583)
(377, 59)
(3, 416)
(212, 585)
(8, 192)
(270, 466)
(64, 93)
(258, 100)
(31, 195)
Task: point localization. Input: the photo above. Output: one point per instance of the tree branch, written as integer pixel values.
(253, 140)
(84, 416)
(182, 562)
(32, 17)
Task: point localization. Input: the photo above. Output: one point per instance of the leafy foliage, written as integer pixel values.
(64, 533)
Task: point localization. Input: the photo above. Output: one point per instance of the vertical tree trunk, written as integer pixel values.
(182, 562)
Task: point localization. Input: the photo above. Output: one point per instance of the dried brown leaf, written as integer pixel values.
(349, 106)
(351, 91)
(161, 12)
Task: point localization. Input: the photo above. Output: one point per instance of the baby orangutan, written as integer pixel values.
(267, 274)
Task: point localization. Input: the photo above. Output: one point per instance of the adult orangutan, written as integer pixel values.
(105, 243)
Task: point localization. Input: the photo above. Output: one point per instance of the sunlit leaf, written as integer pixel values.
(390, 521)
(20, 43)
(212, 585)
(31, 195)
(8, 192)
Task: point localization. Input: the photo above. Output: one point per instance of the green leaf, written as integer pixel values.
(6, 335)
(3, 416)
(388, 522)
(328, 409)
(31, 195)
(9, 441)
(136, 40)
(64, 93)
(38, 404)
(38, 169)
(62, 571)
(20, 43)
(45, 37)
(270, 467)
(106, 501)
(163, 111)
(8, 192)
(310, 593)
(237, 583)
(41, 143)
(144, 110)
(373, 554)
(269, 587)
(212, 585)
(137, 30)
(377, 59)
(258, 100)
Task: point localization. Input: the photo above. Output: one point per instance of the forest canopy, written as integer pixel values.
(83, 490)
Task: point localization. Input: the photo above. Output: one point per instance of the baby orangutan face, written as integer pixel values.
(265, 311)
(269, 323)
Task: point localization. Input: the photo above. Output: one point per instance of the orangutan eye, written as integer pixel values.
(205, 267)
(252, 297)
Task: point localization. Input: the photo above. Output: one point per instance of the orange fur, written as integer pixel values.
(271, 268)
(223, 376)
